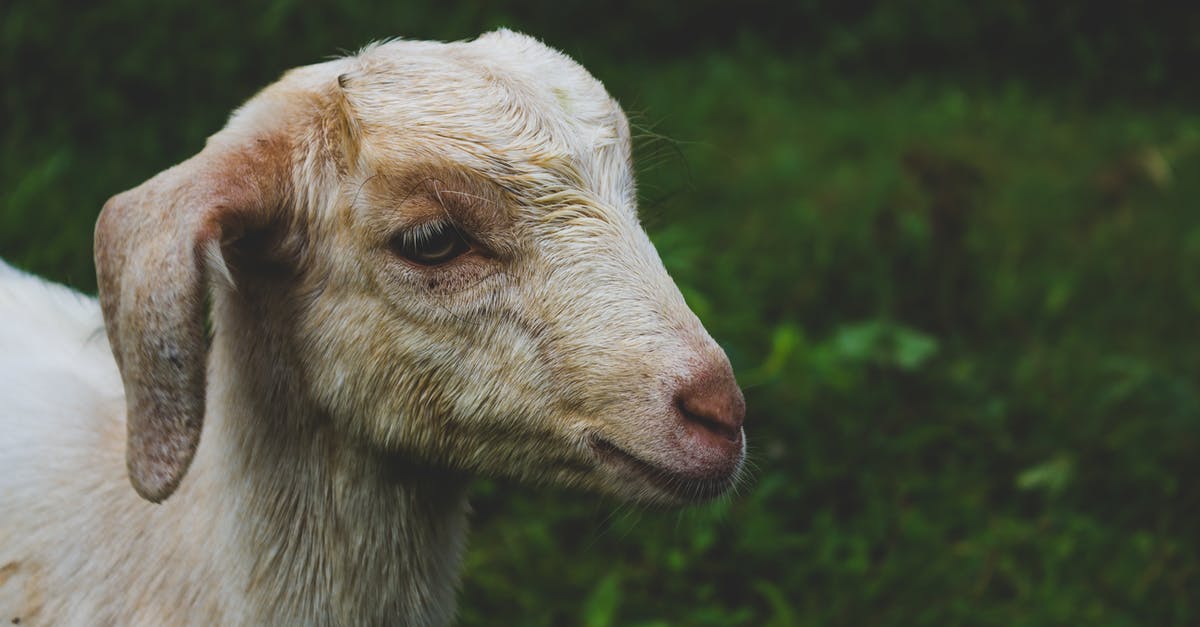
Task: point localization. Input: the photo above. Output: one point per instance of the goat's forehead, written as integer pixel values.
(501, 99)
(502, 60)
(460, 82)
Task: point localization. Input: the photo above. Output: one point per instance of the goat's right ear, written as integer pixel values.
(156, 247)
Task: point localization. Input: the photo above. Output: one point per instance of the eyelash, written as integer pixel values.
(421, 234)
(447, 240)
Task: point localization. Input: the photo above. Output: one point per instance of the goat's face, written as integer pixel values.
(477, 292)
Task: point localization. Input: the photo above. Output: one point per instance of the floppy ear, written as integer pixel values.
(156, 247)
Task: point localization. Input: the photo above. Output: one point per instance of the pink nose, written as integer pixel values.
(712, 405)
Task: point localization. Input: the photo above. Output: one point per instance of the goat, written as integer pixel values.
(421, 264)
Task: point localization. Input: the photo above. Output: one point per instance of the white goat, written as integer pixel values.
(424, 264)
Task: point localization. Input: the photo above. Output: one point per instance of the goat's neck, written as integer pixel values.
(325, 529)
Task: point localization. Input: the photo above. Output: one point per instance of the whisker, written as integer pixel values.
(360, 188)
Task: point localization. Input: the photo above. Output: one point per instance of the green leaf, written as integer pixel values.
(1051, 476)
(600, 608)
(782, 612)
(913, 349)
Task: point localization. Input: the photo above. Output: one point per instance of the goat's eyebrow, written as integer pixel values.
(435, 182)
(452, 190)
(477, 197)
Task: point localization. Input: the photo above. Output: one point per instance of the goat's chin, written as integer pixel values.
(633, 477)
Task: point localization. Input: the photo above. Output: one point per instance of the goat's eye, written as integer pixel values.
(431, 244)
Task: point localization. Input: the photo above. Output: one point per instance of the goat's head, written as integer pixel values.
(456, 266)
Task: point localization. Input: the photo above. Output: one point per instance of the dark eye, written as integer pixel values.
(431, 244)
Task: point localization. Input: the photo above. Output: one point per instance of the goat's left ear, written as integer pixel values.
(157, 246)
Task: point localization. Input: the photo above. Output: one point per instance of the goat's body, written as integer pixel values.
(286, 539)
(62, 422)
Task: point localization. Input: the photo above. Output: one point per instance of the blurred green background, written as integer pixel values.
(953, 250)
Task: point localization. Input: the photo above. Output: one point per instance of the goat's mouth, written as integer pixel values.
(679, 486)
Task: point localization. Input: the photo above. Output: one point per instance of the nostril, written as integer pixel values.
(722, 427)
(713, 402)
